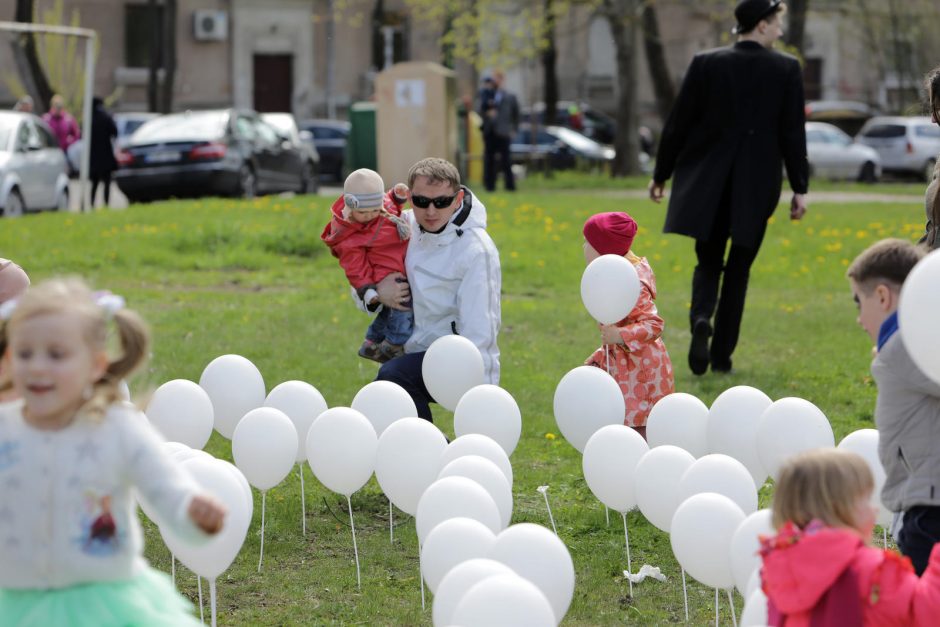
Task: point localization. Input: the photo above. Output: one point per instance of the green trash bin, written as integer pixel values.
(360, 145)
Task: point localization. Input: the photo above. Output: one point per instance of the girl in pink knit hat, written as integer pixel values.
(633, 352)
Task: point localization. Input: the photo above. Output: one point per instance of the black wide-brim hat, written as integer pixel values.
(749, 13)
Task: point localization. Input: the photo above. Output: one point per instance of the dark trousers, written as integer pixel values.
(494, 146)
(920, 531)
(105, 180)
(406, 372)
(393, 325)
(711, 291)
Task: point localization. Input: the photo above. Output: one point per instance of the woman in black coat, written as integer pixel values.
(103, 163)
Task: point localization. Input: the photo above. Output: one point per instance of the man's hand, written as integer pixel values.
(798, 206)
(657, 191)
(393, 292)
(207, 514)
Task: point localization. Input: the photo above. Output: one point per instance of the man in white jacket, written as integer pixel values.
(454, 277)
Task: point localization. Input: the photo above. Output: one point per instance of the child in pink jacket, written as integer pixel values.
(633, 352)
(819, 570)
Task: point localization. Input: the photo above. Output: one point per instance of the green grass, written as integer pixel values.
(222, 276)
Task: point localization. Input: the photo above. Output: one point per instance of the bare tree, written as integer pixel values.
(169, 56)
(549, 56)
(27, 59)
(663, 87)
(797, 24)
(154, 62)
(622, 16)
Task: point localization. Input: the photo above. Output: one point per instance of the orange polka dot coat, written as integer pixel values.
(641, 365)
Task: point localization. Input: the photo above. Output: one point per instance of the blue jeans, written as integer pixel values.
(406, 372)
(392, 325)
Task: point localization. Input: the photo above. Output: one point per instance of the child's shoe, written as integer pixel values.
(370, 350)
(388, 351)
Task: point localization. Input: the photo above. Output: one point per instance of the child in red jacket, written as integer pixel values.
(369, 237)
(819, 569)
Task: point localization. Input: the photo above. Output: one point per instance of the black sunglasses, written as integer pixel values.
(441, 202)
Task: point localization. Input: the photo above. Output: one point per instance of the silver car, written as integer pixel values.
(906, 144)
(833, 155)
(33, 171)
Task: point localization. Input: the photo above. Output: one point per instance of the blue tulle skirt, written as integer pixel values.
(149, 599)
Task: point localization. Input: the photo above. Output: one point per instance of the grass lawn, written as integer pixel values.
(252, 277)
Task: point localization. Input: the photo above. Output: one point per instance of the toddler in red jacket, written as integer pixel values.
(819, 570)
(369, 237)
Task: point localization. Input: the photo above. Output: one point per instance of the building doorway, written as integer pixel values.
(273, 82)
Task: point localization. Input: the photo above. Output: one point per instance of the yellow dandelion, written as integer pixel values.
(549, 436)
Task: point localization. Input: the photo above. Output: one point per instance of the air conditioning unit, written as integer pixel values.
(210, 25)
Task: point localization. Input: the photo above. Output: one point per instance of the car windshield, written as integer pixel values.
(280, 121)
(7, 126)
(132, 125)
(928, 131)
(885, 130)
(190, 126)
(576, 140)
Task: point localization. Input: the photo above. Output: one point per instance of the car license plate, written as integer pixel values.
(162, 157)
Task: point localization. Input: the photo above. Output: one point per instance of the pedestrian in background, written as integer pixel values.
(500, 111)
(102, 161)
(62, 123)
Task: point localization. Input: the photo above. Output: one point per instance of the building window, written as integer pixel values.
(812, 78)
(388, 28)
(143, 30)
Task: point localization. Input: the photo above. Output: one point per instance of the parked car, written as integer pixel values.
(595, 124)
(33, 171)
(833, 155)
(202, 153)
(329, 136)
(557, 147)
(908, 145)
(847, 115)
(286, 126)
(126, 123)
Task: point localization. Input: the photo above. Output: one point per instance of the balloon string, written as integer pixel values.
(884, 537)
(626, 536)
(716, 607)
(355, 547)
(261, 558)
(173, 568)
(607, 355)
(391, 527)
(303, 504)
(202, 616)
(685, 596)
(550, 517)
(420, 572)
(734, 618)
(607, 515)
(212, 600)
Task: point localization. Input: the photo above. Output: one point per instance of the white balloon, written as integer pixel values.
(302, 403)
(504, 601)
(610, 287)
(609, 465)
(745, 544)
(657, 483)
(450, 543)
(790, 426)
(864, 443)
(723, 475)
(917, 315)
(384, 402)
(701, 537)
(491, 411)
(455, 497)
(212, 558)
(341, 446)
(458, 581)
(732, 427)
(182, 412)
(587, 399)
(679, 419)
(753, 583)
(235, 387)
(476, 444)
(540, 556)
(264, 447)
(174, 447)
(755, 610)
(124, 391)
(452, 366)
(407, 461)
(489, 476)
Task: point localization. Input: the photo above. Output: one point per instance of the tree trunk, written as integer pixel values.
(27, 61)
(797, 24)
(153, 101)
(169, 56)
(622, 16)
(663, 87)
(549, 57)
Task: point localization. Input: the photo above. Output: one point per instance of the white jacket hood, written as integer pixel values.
(455, 281)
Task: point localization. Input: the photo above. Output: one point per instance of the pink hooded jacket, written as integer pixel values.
(826, 576)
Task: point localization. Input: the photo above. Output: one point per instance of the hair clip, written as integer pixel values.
(111, 303)
(7, 307)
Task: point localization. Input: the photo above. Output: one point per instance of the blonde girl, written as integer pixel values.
(820, 570)
(70, 456)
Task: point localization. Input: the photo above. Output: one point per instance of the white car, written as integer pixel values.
(33, 170)
(906, 144)
(833, 155)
